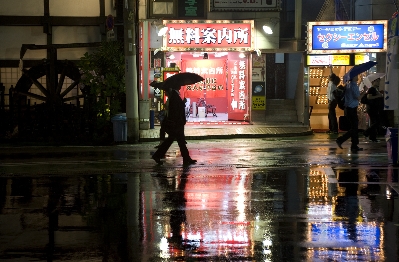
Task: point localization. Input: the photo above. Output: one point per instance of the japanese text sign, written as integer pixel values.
(324, 60)
(347, 37)
(213, 71)
(238, 85)
(191, 8)
(213, 35)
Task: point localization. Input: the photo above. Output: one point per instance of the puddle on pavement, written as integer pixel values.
(201, 214)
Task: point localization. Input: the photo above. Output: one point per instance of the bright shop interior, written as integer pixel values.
(318, 81)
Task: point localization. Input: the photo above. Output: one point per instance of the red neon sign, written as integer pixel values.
(209, 36)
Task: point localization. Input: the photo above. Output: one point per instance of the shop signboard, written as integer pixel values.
(191, 9)
(209, 35)
(347, 37)
(325, 60)
(361, 58)
(245, 5)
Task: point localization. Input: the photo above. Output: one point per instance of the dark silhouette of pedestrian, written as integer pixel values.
(352, 94)
(174, 126)
(332, 104)
(374, 108)
(163, 115)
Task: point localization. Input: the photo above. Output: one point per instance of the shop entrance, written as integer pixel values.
(318, 102)
(223, 95)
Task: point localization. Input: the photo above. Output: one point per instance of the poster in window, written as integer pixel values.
(259, 61)
(258, 74)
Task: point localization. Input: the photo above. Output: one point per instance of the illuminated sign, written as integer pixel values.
(361, 58)
(347, 37)
(238, 85)
(209, 35)
(191, 9)
(323, 60)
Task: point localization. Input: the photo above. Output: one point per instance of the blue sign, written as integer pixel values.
(348, 36)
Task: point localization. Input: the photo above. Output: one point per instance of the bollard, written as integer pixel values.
(152, 119)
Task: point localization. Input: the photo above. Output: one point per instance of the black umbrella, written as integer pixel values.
(157, 84)
(182, 79)
(358, 69)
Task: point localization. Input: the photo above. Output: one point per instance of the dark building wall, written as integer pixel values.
(275, 78)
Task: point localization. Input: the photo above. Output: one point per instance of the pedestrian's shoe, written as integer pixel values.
(356, 149)
(187, 162)
(157, 159)
(339, 143)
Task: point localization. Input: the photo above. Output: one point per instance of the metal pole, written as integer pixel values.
(132, 106)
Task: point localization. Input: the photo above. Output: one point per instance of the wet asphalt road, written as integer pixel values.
(275, 199)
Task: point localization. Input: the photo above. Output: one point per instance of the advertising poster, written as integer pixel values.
(258, 103)
(214, 74)
(259, 61)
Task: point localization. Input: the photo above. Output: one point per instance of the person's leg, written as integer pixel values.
(162, 136)
(330, 124)
(374, 126)
(162, 149)
(181, 141)
(334, 122)
(162, 133)
(354, 122)
(341, 139)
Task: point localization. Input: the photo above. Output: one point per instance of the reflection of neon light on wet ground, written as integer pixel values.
(337, 226)
(218, 214)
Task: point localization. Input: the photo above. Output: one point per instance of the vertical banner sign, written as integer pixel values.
(141, 65)
(214, 74)
(238, 89)
(391, 77)
(189, 9)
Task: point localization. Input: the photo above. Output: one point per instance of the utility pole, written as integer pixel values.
(132, 108)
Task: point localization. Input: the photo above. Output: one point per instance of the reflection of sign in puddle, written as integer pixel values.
(337, 224)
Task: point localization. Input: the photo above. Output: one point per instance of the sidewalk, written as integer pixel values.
(226, 131)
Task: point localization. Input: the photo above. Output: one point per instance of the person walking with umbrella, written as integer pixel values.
(176, 120)
(374, 106)
(352, 94)
(332, 103)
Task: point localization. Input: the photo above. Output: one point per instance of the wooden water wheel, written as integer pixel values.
(57, 111)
